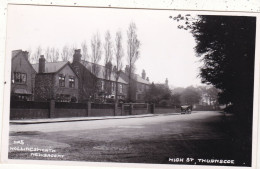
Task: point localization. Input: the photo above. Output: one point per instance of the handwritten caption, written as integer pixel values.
(35, 151)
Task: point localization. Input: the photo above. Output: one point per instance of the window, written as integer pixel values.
(140, 87)
(71, 82)
(61, 80)
(113, 87)
(102, 85)
(20, 77)
(120, 88)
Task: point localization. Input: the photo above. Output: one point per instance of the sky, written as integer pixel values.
(165, 51)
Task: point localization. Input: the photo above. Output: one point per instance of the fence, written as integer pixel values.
(52, 109)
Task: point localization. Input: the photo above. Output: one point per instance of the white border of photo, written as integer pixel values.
(250, 8)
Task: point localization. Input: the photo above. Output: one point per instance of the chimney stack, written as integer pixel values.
(77, 56)
(41, 64)
(143, 74)
(147, 79)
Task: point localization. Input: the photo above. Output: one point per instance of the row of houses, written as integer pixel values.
(79, 81)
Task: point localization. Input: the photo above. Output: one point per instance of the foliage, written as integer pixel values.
(190, 96)
(119, 53)
(158, 92)
(226, 45)
(133, 53)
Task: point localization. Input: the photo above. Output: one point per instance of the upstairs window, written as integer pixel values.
(71, 82)
(113, 86)
(120, 88)
(102, 85)
(61, 80)
(20, 77)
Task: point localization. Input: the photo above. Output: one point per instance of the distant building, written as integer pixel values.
(22, 77)
(55, 80)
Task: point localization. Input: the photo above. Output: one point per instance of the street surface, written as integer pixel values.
(134, 140)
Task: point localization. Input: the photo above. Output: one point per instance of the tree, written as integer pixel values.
(190, 96)
(65, 54)
(119, 53)
(175, 98)
(133, 53)
(29, 50)
(84, 48)
(212, 93)
(35, 57)
(158, 93)
(71, 50)
(226, 45)
(47, 53)
(96, 49)
(96, 52)
(108, 46)
(54, 55)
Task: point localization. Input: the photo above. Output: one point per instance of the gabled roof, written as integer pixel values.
(54, 67)
(101, 72)
(136, 77)
(139, 79)
(51, 67)
(16, 53)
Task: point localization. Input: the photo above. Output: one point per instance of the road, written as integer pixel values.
(134, 140)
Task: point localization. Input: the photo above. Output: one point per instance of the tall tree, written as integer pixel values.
(72, 49)
(133, 53)
(29, 50)
(108, 48)
(119, 53)
(36, 55)
(226, 45)
(108, 52)
(47, 53)
(54, 54)
(84, 48)
(65, 53)
(190, 96)
(96, 52)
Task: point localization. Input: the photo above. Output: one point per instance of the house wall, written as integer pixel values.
(124, 89)
(66, 90)
(22, 65)
(141, 90)
(44, 86)
(86, 82)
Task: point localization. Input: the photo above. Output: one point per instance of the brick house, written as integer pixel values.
(22, 76)
(55, 80)
(97, 81)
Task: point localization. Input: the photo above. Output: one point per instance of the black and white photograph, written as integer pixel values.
(131, 86)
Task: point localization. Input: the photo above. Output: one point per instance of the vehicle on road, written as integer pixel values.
(186, 109)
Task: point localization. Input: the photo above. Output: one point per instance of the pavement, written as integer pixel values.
(72, 119)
